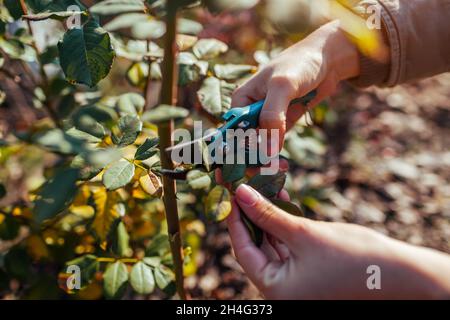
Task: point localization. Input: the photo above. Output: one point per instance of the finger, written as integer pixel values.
(295, 112)
(267, 216)
(269, 249)
(284, 195)
(273, 114)
(327, 88)
(251, 91)
(250, 257)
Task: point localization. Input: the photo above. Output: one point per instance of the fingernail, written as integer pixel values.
(247, 195)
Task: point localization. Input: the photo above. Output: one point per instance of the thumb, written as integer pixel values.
(268, 217)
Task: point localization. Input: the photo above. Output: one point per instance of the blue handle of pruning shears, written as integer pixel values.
(248, 117)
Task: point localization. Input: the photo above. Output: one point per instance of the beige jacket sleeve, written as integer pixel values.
(418, 35)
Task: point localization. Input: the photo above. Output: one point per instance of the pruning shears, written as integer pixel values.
(236, 118)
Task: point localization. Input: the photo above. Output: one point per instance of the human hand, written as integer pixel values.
(319, 62)
(305, 259)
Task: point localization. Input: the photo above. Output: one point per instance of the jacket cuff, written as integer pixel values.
(373, 72)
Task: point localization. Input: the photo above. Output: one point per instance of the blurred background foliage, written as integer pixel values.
(377, 157)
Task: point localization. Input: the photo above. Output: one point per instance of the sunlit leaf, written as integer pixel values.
(232, 71)
(58, 141)
(209, 48)
(118, 175)
(215, 95)
(121, 244)
(142, 279)
(130, 104)
(187, 26)
(198, 179)
(115, 278)
(165, 113)
(107, 212)
(129, 128)
(158, 246)
(217, 6)
(163, 276)
(218, 204)
(110, 7)
(151, 184)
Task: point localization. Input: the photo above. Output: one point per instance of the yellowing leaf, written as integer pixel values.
(218, 204)
(106, 212)
(36, 247)
(82, 196)
(84, 212)
(151, 184)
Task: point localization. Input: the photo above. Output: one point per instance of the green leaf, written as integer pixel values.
(16, 49)
(232, 71)
(187, 26)
(102, 115)
(86, 54)
(198, 179)
(217, 6)
(88, 265)
(206, 49)
(111, 7)
(268, 185)
(233, 172)
(163, 276)
(86, 122)
(159, 246)
(122, 241)
(215, 95)
(130, 104)
(218, 204)
(129, 129)
(82, 135)
(141, 278)
(118, 175)
(58, 15)
(152, 261)
(125, 21)
(115, 279)
(147, 149)
(49, 55)
(53, 6)
(56, 194)
(289, 207)
(14, 8)
(190, 68)
(256, 234)
(148, 29)
(165, 113)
